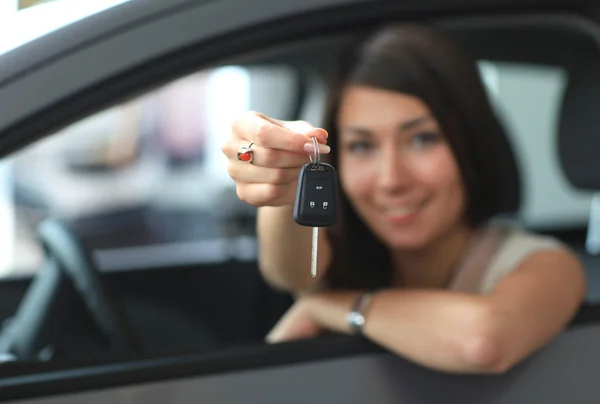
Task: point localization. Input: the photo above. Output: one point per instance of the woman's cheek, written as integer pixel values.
(358, 179)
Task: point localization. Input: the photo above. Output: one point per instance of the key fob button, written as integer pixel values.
(318, 187)
(318, 206)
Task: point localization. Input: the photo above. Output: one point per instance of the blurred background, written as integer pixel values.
(144, 183)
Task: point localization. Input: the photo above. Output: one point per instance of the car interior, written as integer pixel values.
(155, 279)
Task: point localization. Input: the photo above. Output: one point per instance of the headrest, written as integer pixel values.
(579, 127)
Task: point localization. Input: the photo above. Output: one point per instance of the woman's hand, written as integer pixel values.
(315, 313)
(297, 323)
(280, 149)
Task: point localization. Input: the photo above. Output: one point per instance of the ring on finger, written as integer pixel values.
(245, 154)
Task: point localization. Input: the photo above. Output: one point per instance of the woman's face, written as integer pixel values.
(397, 168)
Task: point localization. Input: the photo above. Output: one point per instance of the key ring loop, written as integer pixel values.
(317, 159)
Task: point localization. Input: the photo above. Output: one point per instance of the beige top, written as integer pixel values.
(495, 253)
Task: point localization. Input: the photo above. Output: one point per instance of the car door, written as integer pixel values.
(107, 59)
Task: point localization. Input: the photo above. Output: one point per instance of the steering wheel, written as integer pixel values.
(73, 260)
(31, 332)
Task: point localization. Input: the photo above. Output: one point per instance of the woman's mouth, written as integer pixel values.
(402, 214)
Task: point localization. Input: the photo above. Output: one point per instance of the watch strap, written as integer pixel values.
(357, 314)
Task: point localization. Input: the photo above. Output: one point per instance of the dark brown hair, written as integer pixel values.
(427, 64)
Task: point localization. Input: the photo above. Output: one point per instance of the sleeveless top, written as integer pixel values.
(494, 252)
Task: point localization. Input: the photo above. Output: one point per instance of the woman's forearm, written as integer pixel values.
(441, 330)
(285, 250)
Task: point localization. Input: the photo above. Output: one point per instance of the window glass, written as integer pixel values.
(144, 183)
(528, 98)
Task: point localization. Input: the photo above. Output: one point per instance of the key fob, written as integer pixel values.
(316, 202)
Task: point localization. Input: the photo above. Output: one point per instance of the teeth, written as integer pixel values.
(404, 210)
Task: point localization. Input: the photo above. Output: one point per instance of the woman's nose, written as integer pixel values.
(394, 173)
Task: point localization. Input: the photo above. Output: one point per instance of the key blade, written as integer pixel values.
(313, 256)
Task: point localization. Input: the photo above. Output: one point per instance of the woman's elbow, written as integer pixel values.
(484, 348)
(485, 353)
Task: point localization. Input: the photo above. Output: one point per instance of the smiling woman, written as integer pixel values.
(425, 169)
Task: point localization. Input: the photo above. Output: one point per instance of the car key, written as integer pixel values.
(316, 203)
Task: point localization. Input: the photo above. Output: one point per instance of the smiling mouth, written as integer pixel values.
(401, 212)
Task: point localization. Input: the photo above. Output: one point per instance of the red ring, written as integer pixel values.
(245, 154)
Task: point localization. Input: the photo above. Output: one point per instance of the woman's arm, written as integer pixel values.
(458, 332)
(284, 258)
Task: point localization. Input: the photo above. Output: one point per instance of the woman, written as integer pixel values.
(416, 263)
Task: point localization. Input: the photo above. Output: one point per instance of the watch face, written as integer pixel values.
(356, 320)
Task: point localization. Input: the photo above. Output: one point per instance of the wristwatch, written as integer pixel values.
(356, 316)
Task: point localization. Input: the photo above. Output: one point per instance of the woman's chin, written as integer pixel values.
(413, 244)
(403, 240)
(403, 233)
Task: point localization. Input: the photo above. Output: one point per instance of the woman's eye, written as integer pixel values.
(425, 139)
(358, 146)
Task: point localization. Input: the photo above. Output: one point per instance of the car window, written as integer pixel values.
(528, 98)
(144, 183)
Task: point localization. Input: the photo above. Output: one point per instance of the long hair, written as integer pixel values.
(425, 63)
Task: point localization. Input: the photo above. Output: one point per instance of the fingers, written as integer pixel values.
(250, 173)
(271, 133)
(266, 157)
(301, 127)
(267, 194)
(279, 149)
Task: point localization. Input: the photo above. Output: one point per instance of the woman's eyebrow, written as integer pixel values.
(414, 122)
(406, 125)
(357, 131)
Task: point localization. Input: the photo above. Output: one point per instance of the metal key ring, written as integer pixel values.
(317, 159)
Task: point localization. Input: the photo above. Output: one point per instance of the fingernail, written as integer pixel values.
(324, 132)
(310, 148)
(316, 132)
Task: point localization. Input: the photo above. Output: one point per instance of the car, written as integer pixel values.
(129, 267)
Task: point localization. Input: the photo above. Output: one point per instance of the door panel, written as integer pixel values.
(370, 377)
(172, 310)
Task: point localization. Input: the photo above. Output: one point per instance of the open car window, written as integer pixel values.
(144, 183)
